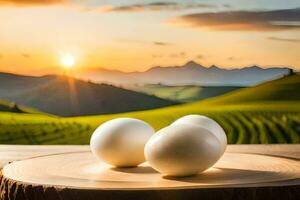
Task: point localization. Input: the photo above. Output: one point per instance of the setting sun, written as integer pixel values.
(68, 61)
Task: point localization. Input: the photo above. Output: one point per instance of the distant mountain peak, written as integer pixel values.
(214, 67)
(191, 62)
(253, 67)
(193, 65)
(154, 68)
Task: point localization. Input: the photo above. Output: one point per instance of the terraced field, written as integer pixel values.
(265, 119)
(242, 126)
(40, 129)
(260, 128)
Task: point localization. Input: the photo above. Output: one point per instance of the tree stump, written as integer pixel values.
(80, 175)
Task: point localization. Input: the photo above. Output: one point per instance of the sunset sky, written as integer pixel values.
(37, 35)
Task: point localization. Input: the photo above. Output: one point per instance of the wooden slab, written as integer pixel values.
(81, 175)
(9, 153)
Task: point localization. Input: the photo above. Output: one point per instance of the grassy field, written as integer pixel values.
(185, 93)
(256, 123)
(265, 119)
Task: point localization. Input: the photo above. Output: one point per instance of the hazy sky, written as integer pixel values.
(132, 35)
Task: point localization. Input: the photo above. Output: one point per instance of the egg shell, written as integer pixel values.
(207, 123)
(182, 150)
(120, 142)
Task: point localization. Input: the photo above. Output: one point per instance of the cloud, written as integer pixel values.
(161, 43)
(158, 43)
(274, 20)
(25, 55)
(178, 55)
(172, 55)
(155, 6)
(284, 39)
(200, 56)
(31, 2)
(227, 5)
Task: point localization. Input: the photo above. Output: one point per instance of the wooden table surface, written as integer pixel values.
(260, 160)
(9, 153)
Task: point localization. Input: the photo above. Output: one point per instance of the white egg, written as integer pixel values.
(207, 123)
(182, 150)
(120, 142)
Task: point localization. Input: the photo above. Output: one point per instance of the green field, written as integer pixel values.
(185, 93)
(255, 123)
(272, 115)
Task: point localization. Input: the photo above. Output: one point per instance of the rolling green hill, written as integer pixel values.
(284, 89)
(67, 96)
(262, 120)
(186, 93)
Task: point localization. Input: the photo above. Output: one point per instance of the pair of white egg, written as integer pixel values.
(188, 146)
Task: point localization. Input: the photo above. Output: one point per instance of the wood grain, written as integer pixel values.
(9, 153)
(81, 176)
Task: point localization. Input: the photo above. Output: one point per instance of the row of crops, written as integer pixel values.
(44, 133)
(241, 128)
(260, 127)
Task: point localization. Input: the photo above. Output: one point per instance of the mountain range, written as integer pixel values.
(66, 96)
(190, 73)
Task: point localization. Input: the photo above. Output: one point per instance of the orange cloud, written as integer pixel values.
(31, 2)
(284, 39)
(274, 20)
(155, 6)
(161, 43)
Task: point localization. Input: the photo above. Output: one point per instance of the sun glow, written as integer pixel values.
(68, 61)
